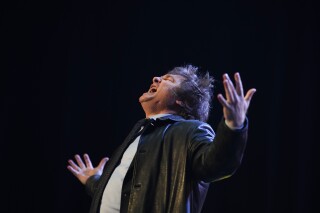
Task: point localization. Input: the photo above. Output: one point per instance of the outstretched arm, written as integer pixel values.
(236, 105)
(220, 159)
(84, 170)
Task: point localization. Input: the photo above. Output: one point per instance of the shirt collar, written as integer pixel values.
(158, 116)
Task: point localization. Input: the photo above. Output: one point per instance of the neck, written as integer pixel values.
(151, 110)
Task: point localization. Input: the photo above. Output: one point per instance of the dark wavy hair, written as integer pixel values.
(196, 92)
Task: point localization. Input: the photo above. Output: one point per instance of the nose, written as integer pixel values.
(156, 79)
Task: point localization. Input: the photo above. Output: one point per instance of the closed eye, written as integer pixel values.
(168, 78)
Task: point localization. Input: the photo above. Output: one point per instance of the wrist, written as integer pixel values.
(233, 126)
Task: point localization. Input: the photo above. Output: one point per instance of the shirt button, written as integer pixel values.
(137, 185)
(142, 151)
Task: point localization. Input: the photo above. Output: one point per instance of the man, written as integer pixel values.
(168, 160)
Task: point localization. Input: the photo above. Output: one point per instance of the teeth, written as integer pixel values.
(152, 90)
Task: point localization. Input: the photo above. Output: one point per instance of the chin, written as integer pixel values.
(141, 99)
(145, 97)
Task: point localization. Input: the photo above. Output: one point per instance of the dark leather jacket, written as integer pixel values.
(175, 161)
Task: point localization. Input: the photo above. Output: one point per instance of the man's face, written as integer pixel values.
(160, 94)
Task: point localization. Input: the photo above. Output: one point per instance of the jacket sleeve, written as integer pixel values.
(215, 157)
(92, 184)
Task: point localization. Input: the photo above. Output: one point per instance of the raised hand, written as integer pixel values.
(82, 170)
(236, 105)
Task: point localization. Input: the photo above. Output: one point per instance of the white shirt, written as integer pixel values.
(111, 197)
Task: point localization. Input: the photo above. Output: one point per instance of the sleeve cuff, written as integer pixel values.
(237, 128)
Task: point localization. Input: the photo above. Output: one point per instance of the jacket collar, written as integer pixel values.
(171, 118)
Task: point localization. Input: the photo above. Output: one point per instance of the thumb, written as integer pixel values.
(103, 162)
(250, 94)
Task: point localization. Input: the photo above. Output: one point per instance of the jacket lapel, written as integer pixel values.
(112, 163)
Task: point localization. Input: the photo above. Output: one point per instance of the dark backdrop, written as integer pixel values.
(73, 72)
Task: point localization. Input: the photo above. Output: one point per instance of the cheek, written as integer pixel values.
(167, 94)
(171, 98)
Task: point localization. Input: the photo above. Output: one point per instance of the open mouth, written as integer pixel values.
(152, 90)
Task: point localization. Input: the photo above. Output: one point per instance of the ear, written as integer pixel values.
(180, 103)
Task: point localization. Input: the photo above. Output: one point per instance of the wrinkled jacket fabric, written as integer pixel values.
(175, 161)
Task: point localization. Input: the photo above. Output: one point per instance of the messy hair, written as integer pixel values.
(195, 92)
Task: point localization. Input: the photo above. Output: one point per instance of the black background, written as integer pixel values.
(73, 72)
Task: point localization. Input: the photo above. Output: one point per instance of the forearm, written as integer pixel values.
(221, 158)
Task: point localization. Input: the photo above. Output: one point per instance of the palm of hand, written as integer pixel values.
(236, 105)
(84, 170)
